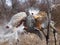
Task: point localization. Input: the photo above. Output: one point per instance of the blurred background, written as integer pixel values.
(10, 7)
